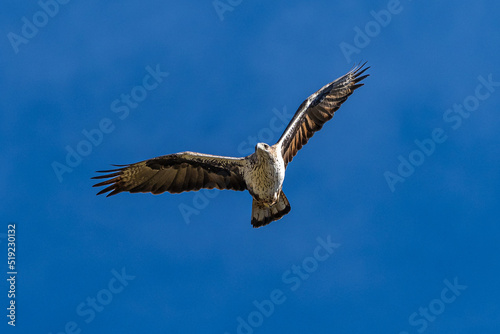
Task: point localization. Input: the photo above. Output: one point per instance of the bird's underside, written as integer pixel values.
(261, 173)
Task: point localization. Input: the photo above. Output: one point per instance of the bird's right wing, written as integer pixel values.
(175, 173)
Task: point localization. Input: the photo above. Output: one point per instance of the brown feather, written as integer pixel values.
(175, 173)
(316, 110)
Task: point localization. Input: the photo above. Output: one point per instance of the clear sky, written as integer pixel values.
(394, 224)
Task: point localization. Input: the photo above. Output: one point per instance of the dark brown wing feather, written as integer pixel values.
(175, 173)
(317, 110)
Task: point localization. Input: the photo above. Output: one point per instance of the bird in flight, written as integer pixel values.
(261, 173)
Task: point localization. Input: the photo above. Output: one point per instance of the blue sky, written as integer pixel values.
(395, 203)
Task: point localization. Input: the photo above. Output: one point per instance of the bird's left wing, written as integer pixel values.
(175, 173)
(316, 110)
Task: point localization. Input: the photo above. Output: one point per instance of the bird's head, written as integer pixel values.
(263, 150)
(262, 147)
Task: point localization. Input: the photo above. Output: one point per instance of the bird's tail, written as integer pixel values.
(263, 215)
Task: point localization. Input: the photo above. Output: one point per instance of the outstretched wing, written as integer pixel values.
(316, 110)
(175, 173)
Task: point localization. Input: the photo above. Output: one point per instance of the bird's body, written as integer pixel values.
(261, 173)
(265, 173)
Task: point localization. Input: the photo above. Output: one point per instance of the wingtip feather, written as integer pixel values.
(358, 74)
(102, 191)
